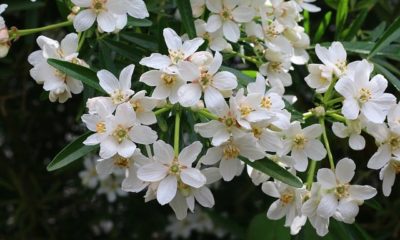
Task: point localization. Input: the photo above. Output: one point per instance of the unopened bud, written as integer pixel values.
(318, 111)
(4, 42)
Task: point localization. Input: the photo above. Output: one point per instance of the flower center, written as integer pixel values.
(287, 198)
(120, 133)
(118, 96)
(245, 110)
(299, 141)
(176, 56)
(226, 14)
(230, 151)
(342, 191)
(168, 79)
(275, 67)
(396, 166)
(184, 189)
(100, 127)
(365, 95)
(342, 66)
(137, 106)
(99, 5)
(394, 142)
(266, 102)
(121, 162)
(205, 80)
(257, 132)
(60, 75)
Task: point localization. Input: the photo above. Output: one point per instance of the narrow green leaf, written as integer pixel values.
(72, 152)
(306, 22)
(322, 27)
(135, 22)
(392, 78)
(128, 51)
(356, 25)
(142, 40)
(341, 16)
(185, 9)
(86, 75)
(273, 170)
(391, 34)
(262, 228)
(365, 4)
(377, 32)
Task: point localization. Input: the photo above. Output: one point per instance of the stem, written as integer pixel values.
(326, 143)
(333, 101)
(82, 38)
(15, 33)
(207, 114)
(250, 59)
(311, 174)
(307, 115)
(148, 150)
(337, 117)
(163, 110)
(177, 131)
(328, 93)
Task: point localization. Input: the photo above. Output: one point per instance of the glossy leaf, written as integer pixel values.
(185, 10)
(322, 27)
(135, 22)
(262, 228)
(86, 75)
(72, 152)
(275, 171)
(392, 78)
(391, 34)
(341, 16)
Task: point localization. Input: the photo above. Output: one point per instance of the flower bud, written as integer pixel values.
(4, 42)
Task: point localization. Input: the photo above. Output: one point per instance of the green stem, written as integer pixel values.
(177, 132)
(333, 101)
(82, 38)
(326, 143)
(307, 115)
(163, 110)
(207, 114)
(337, 117)
(328, 93)
(311, 174)
(250, 59)
(16, 33)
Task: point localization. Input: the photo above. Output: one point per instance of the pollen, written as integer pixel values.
(100, 127)
(257, 132)
(121, 162)
(266, 102)
(365, 95)
(342, 191)
(299, 141)
(98, 5)
(168, 79)
(341, 65)
(396, 166)
(60, 75)
(226, 14)
(245, 110)
(394, 142)
(176, 56)
(230, 151)
(287, 198)
(205, 80)
(120, 133)
(137, 106)
(275, 67)
(118, 97)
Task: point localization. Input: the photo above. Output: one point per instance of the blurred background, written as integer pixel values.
(73, 203)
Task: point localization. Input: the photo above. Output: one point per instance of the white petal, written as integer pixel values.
(276, 210)
(358, 192)
(137, 9)
(125, 77)
(84, 20)
(345, 170)
(388, 175)
(190, 46)
(380, 158)
(326, 178)
(143, 134)
(156, 61)
(205, 197)
(152, 172)
(108, 81)
(315, 150)
(163, 152)
(225, 81)
(189, 94)
(167, 190)
(313, 131)
(327, 206)
(173, 41)
(339, 129)
(231, 31)
(126, 148)
(104, 166)
(189, 154)
(106, 21)
(228, 168)
(179, 205)
(82, 3)
(212, 156)
(214, 23)
(69, 44)
(356, 142)
(350, 109)
(348, 210)
(214, 6)
(188, 71)
(243, 14)
(193, 177)
(270, 189)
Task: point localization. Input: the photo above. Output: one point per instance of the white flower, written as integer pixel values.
(4, 42)
(216, 40)
(96, 121)
(285, 12)
(289, 201)
(166, 84)
(210, 81)
(352, 129)
(110, 14)
(111, 188)
(143, 107)
(222, 129)
(227, 14)
(178, 49)
(124, 166)
(335, 57)
(172, 171)
(388, 175)
(320, 77)
(89, 176)
(187, 195)
(119, 90)
(340, 199)
(59, 84)
(122, 131)
(388, 142)
(257, 177)
(228, 155)
(2, 22)
(300, 42)
(303, 144)
(394, 117)
(198, 7)
(365, 96)
(272, 29)
(306, 5)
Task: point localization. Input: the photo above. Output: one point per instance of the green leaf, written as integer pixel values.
(142, 40)
(86, 75)
(377, 32)
(392, 78)
(262, 228)
(323, 26)
(250, 73)
(185, 9)
(341, 16)
(128, 51)
(72, 152)
(273, 170)
(135, 22)
(391, 34)
(356, 25)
